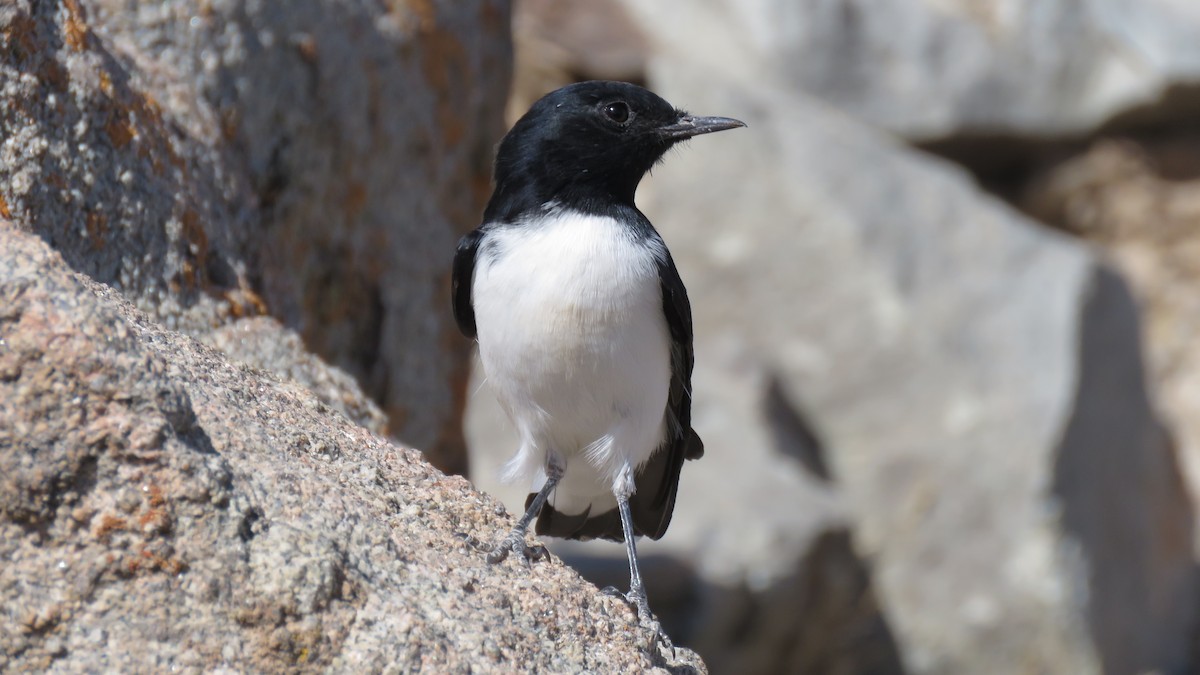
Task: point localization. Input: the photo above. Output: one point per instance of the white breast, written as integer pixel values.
(575, 345)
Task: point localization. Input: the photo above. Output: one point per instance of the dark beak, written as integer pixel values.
(688, 126)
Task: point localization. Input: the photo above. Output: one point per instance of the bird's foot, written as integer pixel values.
(513, 542)
(646, 618)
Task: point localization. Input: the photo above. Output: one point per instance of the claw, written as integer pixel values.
(660, 637)
(536, 553)
(649, 623)
(637, 602)
(513, 543)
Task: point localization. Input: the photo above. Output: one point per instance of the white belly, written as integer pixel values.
(575, 345)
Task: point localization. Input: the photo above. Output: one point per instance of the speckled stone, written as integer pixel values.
(314, 161)
(164, 509)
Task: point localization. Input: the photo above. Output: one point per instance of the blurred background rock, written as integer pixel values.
(946, 290)
(219, 159)
(947, 294)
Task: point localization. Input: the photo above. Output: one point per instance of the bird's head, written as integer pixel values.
(590, 142)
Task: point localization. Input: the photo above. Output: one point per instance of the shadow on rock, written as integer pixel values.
(822, 620)
(1141, 586)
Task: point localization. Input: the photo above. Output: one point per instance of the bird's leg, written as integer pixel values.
(637, 590)
(515, 540)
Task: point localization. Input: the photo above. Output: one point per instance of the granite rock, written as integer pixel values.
(165, 509)
(313, 161)
(262, 343)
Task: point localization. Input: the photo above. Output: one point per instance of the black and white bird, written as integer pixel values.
(584, 326)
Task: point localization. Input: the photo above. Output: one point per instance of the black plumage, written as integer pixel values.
(568, 287)
(566, 150)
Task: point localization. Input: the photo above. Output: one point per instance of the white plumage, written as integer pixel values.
(573, 341)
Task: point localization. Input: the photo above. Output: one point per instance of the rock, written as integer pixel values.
(313, 161)
(977, 380)
(557, 42)
(1140, 200)
(162, 508)
(262, 343)
(937, 69)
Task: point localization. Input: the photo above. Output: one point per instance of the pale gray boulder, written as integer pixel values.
(936, 69)
(977, 379)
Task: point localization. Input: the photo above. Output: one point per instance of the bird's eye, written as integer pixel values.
(617, 111)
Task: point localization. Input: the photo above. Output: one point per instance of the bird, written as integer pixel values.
(583, 325)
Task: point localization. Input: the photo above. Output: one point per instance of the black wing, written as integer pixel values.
(460, 283)
(678, 311)
(658, 480)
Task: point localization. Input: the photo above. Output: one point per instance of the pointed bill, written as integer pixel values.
(689, 125)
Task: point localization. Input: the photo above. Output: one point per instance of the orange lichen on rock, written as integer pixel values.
(193, 272)
(119, 129)
(306, 46)
(244, 302)
(54, 75)
(194, 234)
(155, 562)
(109, 524)
(75, 26)
(97, 228)
(154, 521)
(19, 36)
(154, 495)
(106, 83)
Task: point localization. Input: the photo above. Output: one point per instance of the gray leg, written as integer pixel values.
(637, 590)
(515, 540)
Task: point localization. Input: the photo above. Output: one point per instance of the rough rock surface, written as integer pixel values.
(313, 161)
(262, 343)
(935, 69)
(162, 509)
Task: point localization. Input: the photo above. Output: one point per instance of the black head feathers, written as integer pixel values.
(588, 144)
